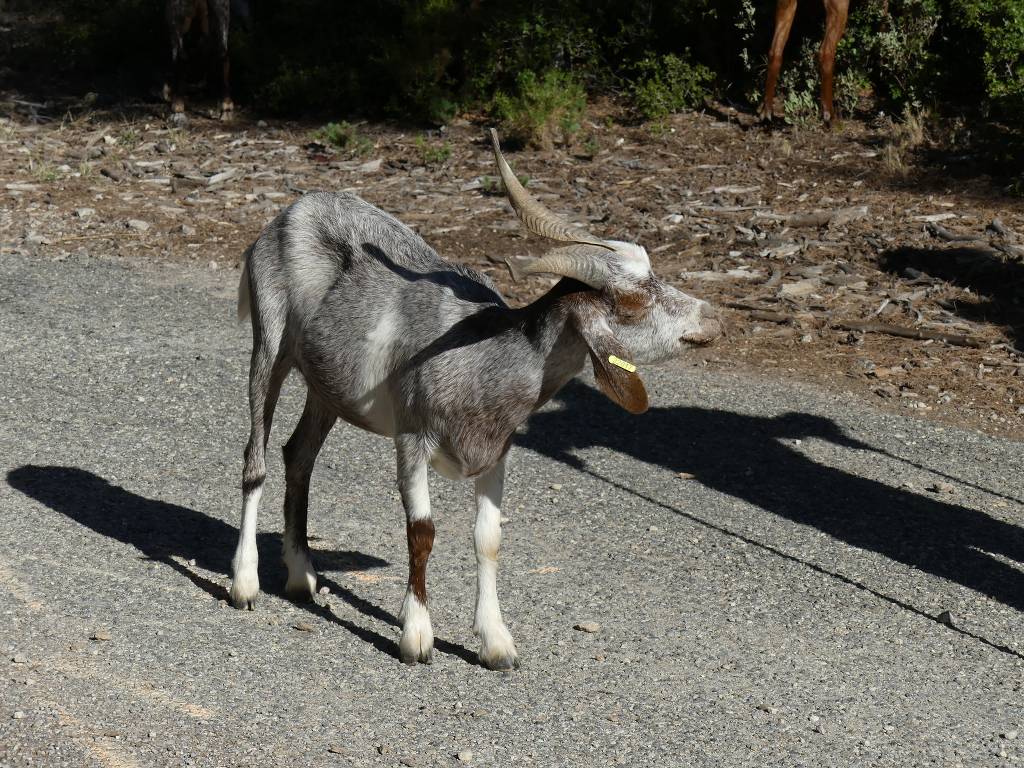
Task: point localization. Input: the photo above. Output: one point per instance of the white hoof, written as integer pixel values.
(417, 643)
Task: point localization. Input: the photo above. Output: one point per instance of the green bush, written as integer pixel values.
(1000, 26)
(433, 154)
(344, 136)
(542, 111)
(668, 84)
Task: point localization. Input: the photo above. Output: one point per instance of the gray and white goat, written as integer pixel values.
(393, 339)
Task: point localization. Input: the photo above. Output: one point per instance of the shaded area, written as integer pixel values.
(986, 272)
(744, 457)
(161, 531)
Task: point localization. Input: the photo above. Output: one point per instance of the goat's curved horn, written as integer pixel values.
(535, 216)
(581, 261)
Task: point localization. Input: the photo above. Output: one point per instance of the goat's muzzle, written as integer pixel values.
(710, 327)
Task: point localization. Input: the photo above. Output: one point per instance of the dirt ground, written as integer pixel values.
(801, 236)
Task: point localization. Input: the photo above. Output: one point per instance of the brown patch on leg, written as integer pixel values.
(420, 534)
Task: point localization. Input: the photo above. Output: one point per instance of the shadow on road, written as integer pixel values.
(161, 531)
(745, 457)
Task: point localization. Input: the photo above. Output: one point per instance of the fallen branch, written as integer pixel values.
(937, 230)
(818, 218)
(94, 236)
(919, 334)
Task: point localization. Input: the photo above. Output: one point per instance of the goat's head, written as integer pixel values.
(631, 316)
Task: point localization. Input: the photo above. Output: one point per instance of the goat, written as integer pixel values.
(835, 24)
(181, 15)
(393, 339)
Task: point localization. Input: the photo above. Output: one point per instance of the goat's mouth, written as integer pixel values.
(701, 340)
(709, 332)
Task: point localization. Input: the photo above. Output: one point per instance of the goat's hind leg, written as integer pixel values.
(266, 374)
(300, 454)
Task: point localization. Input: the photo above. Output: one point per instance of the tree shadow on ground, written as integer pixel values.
(984, 271)
(745, 457)
(165, 533)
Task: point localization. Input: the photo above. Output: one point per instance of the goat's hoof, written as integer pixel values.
(245, 591)
(499, 662)
(227, 110)
(416, 645)
(298, 593)
(416, 657)
(244, 603)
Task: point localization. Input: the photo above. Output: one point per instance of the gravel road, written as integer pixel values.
(768, 566)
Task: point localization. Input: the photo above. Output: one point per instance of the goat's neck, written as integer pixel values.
(552, 334)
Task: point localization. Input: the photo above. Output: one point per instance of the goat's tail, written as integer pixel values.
(244, 299)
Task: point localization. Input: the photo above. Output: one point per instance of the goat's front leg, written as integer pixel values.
(497, 649)
(417, 643)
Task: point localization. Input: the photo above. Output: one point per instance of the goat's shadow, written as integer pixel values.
(745, 457)
(165, 533)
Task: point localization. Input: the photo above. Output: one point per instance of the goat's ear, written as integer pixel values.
(616, 375)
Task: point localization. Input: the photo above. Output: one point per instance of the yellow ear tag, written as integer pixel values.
(627, 366)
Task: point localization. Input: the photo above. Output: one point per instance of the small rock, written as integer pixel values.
(334, 749)
(1009, 735)
(84, 213)
(223, 176)
(945, 618)
(325, 590)
(214, 266)
(653, 529)
(18, 715)
(232, 653)
(941, 487)
(409, 761)
(483, 713)
(19, 659)
(302, 626)
(110, 173)
(886, 390)
(465, 756)
(187, 229)
(800, 287)
(370, 167)
(806, 338)
(383, 749)
(556, 486)
(588, 626)
(138, 225)
(100, 634)
(685, 475)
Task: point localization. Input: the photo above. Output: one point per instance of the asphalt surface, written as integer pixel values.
(774, 605)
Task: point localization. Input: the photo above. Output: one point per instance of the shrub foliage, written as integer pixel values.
(530, 60)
